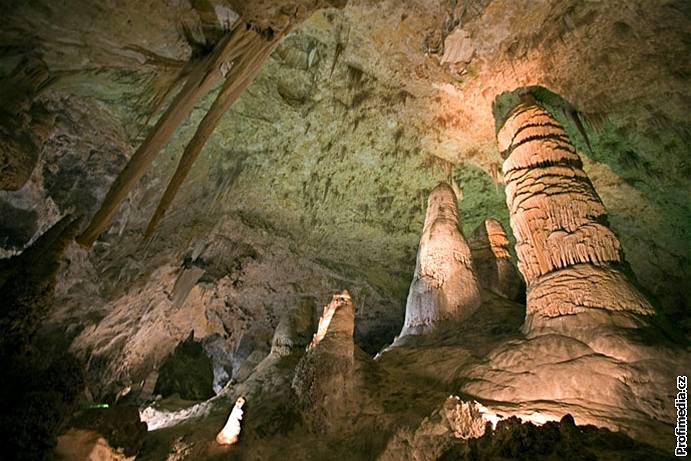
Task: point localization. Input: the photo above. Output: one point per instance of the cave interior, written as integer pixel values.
(345, 229)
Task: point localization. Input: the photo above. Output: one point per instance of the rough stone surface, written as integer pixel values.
(316, 179)
(444, 283)
(119, 426)
(571, 260)
(489, 247)
(24, 122)
(324, 377)
(86, 445)
(188, 372)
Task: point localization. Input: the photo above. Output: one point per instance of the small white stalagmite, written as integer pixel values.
(231, 431)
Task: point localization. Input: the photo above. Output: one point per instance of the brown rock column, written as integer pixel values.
(570, 259)
(336, 325)
(325, 377)
(489, 248)
(444, 285)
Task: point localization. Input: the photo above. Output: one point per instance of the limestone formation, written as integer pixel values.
(293, 330)
(492, 260)
(336, 325)
(245, 48)
(27, 284)
(570, 258)
(236, 59)
(444, 285)
(24, 122)
(231, 431)
(325, 376)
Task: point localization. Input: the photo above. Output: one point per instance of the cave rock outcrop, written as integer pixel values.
(325, 376)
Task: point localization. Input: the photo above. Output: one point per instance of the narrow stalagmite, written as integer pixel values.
(231, 431)
(571, 260)
(326, 376)
(337, 322)
(489, 247)
(444, 284)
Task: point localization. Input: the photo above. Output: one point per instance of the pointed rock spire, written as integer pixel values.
(336, 324)
(489, 247)
(444, 284)
(325, 377)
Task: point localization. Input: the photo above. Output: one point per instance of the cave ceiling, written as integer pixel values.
(317, 177)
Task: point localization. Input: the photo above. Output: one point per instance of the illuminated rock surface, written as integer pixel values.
(444, 283)
(489, 247)
(571, 260)
(592, 339)
(317, 179)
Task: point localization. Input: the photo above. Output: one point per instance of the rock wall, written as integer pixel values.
(444, 285)
(570, 258)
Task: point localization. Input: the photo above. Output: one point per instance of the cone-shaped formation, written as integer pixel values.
(489, 247)
(231, 431)
(336, 324)
(325, 376)
(444, 285)
(569, 257)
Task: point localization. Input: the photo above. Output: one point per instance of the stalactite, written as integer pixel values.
(246, 48)
(568, 255)
(238, 77)
(444, 285)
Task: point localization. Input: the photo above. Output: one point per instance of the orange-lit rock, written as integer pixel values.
(325, 378)
(87, 445)
(489, 247)
(571, 260)
(444, 284)
(336, 323)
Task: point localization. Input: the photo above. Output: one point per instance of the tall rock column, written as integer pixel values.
(444, 284)
(572, 262)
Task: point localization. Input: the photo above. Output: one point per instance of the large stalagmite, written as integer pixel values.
(572, 262)
(444, 285)
(489, 247)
